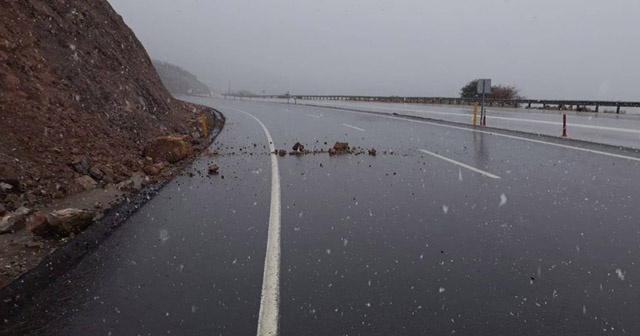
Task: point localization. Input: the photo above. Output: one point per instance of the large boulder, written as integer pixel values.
(9, 177)
(129, 185)
(81, 166)
(154, 169)
(86, 182)
(96, 173)
(171, 148)
(62, 223)
(37, 224)
(14, 221)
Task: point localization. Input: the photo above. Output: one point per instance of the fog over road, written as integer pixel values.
(448, 229)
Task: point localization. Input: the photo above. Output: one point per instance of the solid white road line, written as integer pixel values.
(355, 128)
(618, 156)
(482, 172)
(268, 317)
(313, 115)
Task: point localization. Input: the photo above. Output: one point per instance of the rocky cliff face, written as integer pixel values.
(178, 80)
(75, 85)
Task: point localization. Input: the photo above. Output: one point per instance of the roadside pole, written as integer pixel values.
(483, 116)
(564, 124)
(484, 88)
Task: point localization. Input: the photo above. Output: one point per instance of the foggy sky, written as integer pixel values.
(568, 49)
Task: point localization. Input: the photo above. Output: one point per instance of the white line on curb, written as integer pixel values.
(268, 324)
(355, 128)
(482, 172)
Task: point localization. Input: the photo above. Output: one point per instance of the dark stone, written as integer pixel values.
(9, 175)
(81, 166)
(96, 173)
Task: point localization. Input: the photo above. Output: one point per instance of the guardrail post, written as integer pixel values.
(203, 121)
(475, 113)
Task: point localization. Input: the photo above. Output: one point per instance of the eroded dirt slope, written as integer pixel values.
(75, 83)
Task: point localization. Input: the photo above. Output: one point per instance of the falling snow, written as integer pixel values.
(503, 200)
(164, 235)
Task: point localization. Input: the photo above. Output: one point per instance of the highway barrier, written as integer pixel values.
(577, 105)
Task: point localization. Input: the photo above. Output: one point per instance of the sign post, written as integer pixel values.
(484, 88)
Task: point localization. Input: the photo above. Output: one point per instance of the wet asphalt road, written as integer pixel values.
(403, 243)
(608, 128)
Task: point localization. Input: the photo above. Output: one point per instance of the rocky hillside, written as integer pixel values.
(78, 96)
(178, 80)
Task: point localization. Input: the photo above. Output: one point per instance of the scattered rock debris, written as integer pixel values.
(76, 134)
(298, 147)
(341, 146)
(213, 169)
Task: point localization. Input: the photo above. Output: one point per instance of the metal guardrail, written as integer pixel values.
(516, 103)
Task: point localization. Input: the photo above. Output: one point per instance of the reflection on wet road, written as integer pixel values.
(447, 230)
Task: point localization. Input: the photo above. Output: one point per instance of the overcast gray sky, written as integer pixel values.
(582, 49)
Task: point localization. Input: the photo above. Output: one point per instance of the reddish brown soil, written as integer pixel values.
(76, 83)
(75, 86)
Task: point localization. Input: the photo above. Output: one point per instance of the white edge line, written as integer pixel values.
(313, 115)
(631, 158)
(354, 127)
(482, 172)
(270, 298)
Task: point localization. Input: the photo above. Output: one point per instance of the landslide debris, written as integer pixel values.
(170, 148)
(79, 96)
(81, 106)
(338, 148)
(213, 169)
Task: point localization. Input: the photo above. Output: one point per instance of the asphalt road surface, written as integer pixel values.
(608, 128)
(447, 230)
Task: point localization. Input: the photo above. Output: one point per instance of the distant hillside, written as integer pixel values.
(178, 80)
